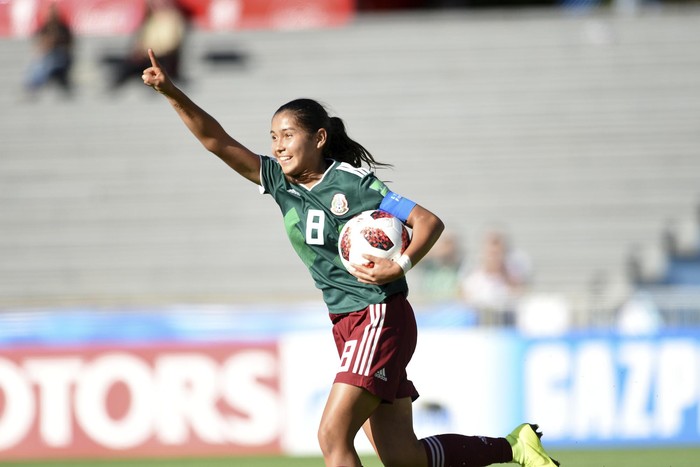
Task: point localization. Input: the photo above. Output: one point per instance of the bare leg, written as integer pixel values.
(346, 410)
(390, 430)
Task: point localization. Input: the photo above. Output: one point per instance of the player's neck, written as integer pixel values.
(308, 182)
(310, 178)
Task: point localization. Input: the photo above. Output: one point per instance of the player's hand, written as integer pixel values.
(382, 271)
(156, 77)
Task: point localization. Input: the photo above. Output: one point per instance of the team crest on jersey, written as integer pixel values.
(339, 204)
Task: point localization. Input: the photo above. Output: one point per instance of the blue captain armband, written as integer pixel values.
(397, 205)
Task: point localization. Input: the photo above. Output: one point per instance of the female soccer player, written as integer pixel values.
(316, 178)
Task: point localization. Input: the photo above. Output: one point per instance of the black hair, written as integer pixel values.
(311, 116)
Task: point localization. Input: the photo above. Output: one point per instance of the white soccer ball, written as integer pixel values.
(375, 233)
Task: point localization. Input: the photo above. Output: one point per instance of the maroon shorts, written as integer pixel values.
(375, 346)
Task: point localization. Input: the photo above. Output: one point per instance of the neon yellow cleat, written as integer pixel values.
(527, 448)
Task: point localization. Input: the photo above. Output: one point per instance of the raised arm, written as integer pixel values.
(202, 125)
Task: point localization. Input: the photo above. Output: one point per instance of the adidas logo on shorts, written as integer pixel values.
(381, 374)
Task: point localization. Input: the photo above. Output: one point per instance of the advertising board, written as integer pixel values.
(608, 389)
(152, 384)
(149, 400)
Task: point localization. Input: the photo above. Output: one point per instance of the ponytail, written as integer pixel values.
(343, 148)
(312, 116)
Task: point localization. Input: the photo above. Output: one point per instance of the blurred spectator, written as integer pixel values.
(439, 280)
(639, 315)
(163, 29)
(495, 284)
(54, 45)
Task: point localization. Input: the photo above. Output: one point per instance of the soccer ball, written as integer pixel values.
(375, 233)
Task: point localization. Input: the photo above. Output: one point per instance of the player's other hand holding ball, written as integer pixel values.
(155, 76)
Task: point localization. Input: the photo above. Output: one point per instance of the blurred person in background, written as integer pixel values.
(440, 270)
(317, 176)
(164, 29)
(493, 286)
(54, 54)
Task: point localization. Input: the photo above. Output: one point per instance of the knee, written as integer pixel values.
(324, 439)
(330, 439)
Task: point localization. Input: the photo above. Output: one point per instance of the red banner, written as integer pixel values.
(115, 17)
(140, 401)
(269, 14)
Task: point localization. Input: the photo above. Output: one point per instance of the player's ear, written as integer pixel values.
(321, 137)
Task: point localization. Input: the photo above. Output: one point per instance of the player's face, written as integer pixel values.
(298, 152)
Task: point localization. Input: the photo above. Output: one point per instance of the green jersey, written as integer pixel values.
(313, 218)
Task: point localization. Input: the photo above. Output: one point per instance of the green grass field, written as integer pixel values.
(653, 457)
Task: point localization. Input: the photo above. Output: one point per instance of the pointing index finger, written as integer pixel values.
(154, 60)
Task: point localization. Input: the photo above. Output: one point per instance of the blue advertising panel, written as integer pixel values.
(608, 389)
